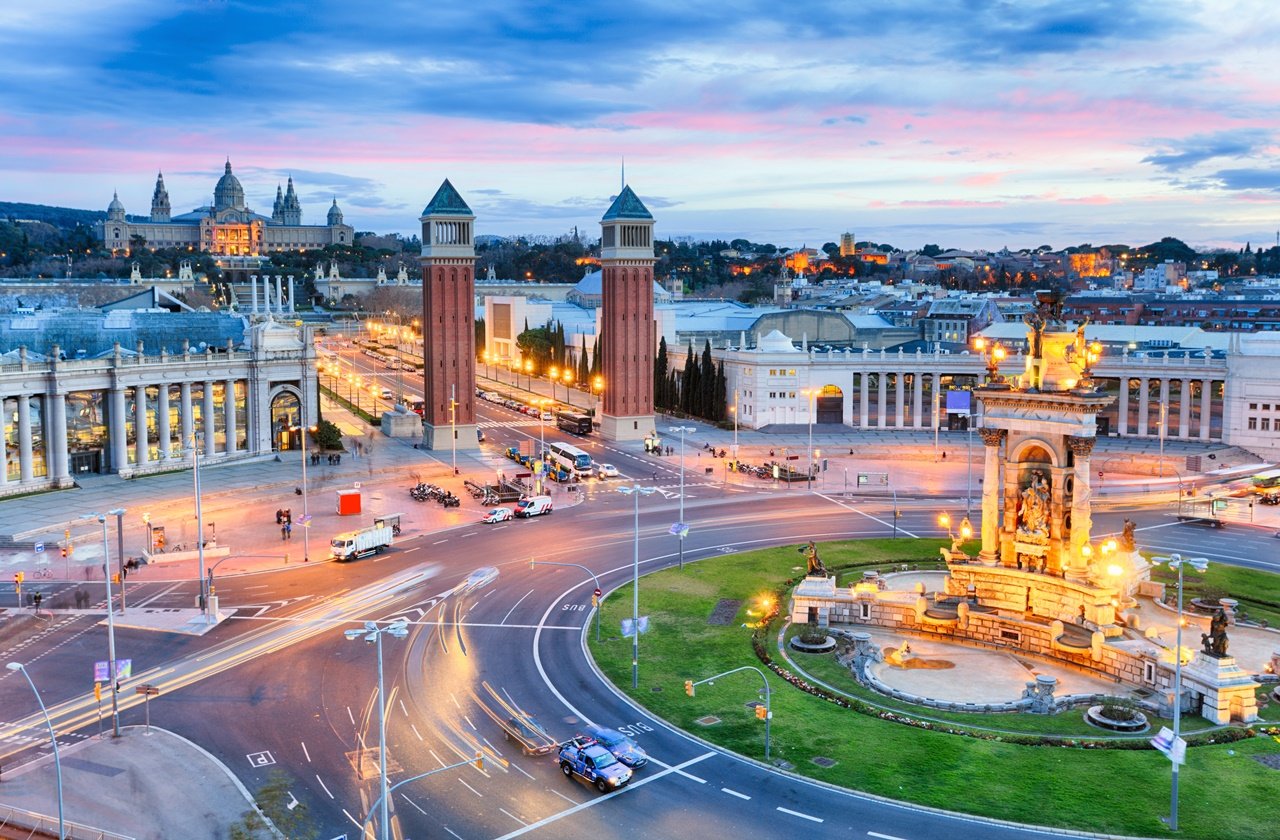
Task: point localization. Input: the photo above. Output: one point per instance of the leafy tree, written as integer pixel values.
(327, 435)
(931, 250)
(273, 800)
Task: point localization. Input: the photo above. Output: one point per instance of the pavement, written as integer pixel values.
(127, 786)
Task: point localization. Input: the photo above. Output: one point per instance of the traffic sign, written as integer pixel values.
(149, 690)
(39, 547)
(679, 529)
(598, 593)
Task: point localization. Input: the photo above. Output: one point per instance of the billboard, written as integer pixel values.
(959, 402)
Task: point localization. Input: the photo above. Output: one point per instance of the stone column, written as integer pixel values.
(229, 405)
(185, 420)
(290, 294)
(1184, 408)
(1123, 416)
(210, 445)
(253, 281)
(141, 454)
(1075, 567)
(1144, 405)
(163, 430)
(864, 394)
(899, 397)
(55, 440)
(1206, 397)
(917, 398)
(4, 447)
(991, 440)
(118, 435)
(884, 400)
(25, 466)
(279, 296)
(1163, 408)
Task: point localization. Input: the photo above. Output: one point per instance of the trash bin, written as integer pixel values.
(348, 502)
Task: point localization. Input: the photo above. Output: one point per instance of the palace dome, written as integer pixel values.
(228, 193)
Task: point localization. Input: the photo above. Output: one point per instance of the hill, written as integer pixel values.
(65, 218)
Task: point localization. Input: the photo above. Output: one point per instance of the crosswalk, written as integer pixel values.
(506, 424)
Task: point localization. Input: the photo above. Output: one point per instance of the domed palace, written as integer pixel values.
(228, 227)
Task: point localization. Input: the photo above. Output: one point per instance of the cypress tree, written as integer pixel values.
(660, 396)
(721, 394)
(689, 386)
(584, 368)
(707, 383)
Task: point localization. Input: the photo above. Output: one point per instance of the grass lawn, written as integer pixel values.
(1257, 592)
(1225, 793)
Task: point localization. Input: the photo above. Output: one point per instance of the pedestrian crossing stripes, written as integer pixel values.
(506, 424)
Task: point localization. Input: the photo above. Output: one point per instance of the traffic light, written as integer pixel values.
(595, 602)
(688, 687)
(18, 578)
(64, 551)
(115, 578)
(479, 761)
(97, 691)
(762, 712)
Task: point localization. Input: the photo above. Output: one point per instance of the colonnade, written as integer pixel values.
(276, 303)
(1190, 389)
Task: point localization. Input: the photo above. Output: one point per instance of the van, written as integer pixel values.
(533, 506)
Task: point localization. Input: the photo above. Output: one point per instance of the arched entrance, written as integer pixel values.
(286, 428)
(830, 405)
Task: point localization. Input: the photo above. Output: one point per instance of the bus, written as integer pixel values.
(573, 423)
(570, 458)
(1264, 481)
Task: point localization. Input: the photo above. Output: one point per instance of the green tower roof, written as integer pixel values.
(627, 206)
(447, 202)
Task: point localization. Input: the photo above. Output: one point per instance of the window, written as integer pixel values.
(1253, 406)
(1266, 424)
(1253, 423)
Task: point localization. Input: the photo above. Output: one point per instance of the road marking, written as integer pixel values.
(562, 796)
(402, 708)
(411, 550)
(451, 831)
(841, 503)
(438, 758)
(470, 788)
(414, 727)
(353, 717)
(326, 787)
(518, 767)
(496, 751)
(883, 836)
(454, 698)
(414, 804)
(513, 607)
(735, 793)
(513, 816)
(439, 542)
(800, 815)
(353, 820)
(469, 723)
(591, 803)
(304, 751)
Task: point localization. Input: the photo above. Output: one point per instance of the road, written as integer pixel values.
(279, 686)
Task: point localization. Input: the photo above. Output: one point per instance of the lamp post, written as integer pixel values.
(528, 375)
(373, 632)
(555, 377)
(111, 619)
(811, 394)
(733, 409)
(682, 527)
(567, 373)
(53, 739)
(119, 515)
(1177, 561)
(690, 685)
(306, 519)
(1164, 418)
(597, 386)
(453, 426)
(636, 491)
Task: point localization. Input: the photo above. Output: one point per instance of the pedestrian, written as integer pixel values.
(288, 516)
(944, 455)
(279, 516)
(284, 533)
(288, 530)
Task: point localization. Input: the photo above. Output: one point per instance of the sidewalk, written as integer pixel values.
(127, 786)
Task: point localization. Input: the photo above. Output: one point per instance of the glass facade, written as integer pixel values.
(12, 435)
(242, 415)
(219, 416)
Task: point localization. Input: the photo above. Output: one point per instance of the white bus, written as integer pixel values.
(570, 458)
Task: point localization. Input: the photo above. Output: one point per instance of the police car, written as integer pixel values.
(586, 759)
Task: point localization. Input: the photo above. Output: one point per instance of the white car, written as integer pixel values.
(606, 471)
(498, 514)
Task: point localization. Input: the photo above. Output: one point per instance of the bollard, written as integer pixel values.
(286, 559)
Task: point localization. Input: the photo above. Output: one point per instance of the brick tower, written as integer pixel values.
(448, 322)
(626, 323)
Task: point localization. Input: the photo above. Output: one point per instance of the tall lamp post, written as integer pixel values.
(373, 632)
(195, 459)
(306, 518)
(636, 491)
(111, 619)
(53, 739)
(683, 529)
(733, 409)
(1177, 561)
(554, 377)
(812, 395)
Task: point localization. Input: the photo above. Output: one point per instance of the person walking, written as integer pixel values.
(288, 530)
(279, 516)
(284, 533)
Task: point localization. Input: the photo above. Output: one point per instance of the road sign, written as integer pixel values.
(149, 690)
(679, 529)
(1165, 743)
(598, 593)
(39, 548)
(124, 670)
(793, 457)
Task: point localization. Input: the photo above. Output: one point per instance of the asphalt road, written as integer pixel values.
(280, 687)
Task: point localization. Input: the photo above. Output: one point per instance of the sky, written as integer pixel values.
(964, 123)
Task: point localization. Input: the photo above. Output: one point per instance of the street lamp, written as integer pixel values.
(373, 632)
(555, 377)
(733, 409)
(568, 382)
(53, 739)
(597, 386)
(957, 539)
(681, 528)
(111, 618)
(1177, 561)
(812, 395)
(528, 375)
(636, 491)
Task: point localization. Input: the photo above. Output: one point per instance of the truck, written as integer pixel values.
(355, 544)
(586, 759)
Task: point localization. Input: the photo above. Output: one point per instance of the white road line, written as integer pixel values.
(354, 821)
(562, 796)
(451, 831)
(513, 607)
(414, 804)
(326, 787)
(867, 515)
(439, 542)
(735, 793)
(411, 550)
(470, 788)
(513, 816)
(402, 708)
(883, 836)
(438, 758)
(469, 723)
(591, 803)
(353, 717)
(304, 751)
(496, 751)
(454, 698)
(518, 767)
(800, 815)
(416, 732)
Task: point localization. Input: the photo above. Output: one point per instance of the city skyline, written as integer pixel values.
(973, 125)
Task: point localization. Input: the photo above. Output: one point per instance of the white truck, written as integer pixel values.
(355, 544)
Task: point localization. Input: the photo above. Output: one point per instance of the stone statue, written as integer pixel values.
(1215, 641)
(1126, 538)
(1033, 516)
(810, 553)
(1035, 339)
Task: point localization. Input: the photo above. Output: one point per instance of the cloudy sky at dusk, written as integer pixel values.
(965, 123)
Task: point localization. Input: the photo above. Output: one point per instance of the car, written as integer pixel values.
(498, 514)
(584, 758)
(606, 471)
(386, 393)
(623, 748)
(481, 577)
(547, 416)
(530, 734)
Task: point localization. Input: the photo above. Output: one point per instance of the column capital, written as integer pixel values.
(992, 437)
(1081, 447)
